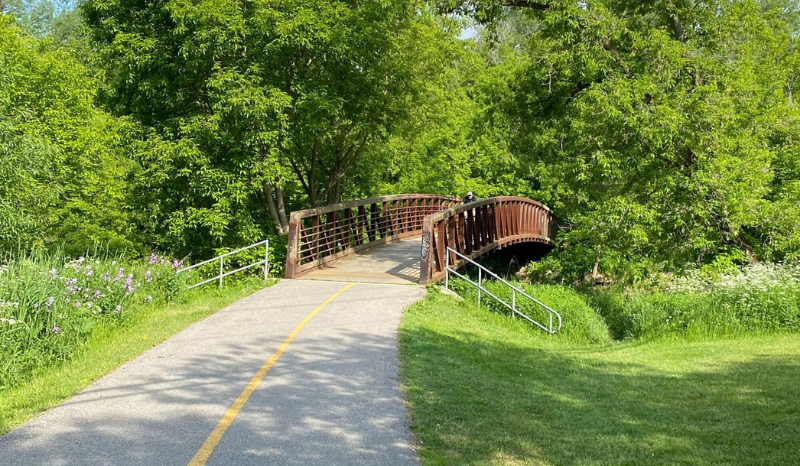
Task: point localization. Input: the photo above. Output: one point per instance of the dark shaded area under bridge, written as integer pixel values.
(405, 238)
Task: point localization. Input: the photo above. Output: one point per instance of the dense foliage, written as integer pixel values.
(62, 169)
(663, 134)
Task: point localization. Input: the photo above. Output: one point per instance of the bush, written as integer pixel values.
(580, 322)
(759, 299)
(48, 308)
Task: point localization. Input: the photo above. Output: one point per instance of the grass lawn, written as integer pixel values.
(485, 389)
(106, 350)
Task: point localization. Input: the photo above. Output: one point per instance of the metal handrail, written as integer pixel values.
(514, 291)
(221, 259)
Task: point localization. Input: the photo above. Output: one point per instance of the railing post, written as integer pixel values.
(514, 303)
(447, 272)
(551, 322)
(266, 260)
(480, 285)
(221, 268)
(426, 252)
(293, 247)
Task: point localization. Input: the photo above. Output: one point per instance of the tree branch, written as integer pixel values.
(526, 4)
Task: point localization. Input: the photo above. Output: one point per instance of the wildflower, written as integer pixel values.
(129, 289)
(98, 294)
(77, 304)
(176, 264)
(113, 262)
(53, 274)
(36, 306)
(49, 302)
(56, 329)
(81, 260)
(89, 304)
(89, 273)
(118, 309)
(148, 299)
(148, 276)
(153, 259)
(106, 277)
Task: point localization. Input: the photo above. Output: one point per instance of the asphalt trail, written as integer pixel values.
(331, 399)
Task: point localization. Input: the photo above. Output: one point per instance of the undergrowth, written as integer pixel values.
(756, 300)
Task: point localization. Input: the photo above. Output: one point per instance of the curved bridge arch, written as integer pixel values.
(480, 227)
(326, 234)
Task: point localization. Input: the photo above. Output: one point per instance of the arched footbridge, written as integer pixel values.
(405, 238)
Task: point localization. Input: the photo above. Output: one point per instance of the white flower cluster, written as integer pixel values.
(758, 277)
(4, 304)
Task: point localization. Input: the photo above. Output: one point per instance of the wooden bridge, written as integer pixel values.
(341, 241)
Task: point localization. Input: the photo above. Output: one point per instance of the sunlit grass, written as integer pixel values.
(484, 389)
(108, 347)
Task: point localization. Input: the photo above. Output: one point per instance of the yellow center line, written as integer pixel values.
(216, 435)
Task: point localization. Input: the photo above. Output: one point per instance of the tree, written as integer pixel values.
(655, 128)
(61, 170)
(248, 101)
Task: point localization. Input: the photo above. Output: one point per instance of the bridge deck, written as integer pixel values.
(395, 263)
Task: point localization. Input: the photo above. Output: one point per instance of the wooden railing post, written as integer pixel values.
(426, 253)
(293, 247)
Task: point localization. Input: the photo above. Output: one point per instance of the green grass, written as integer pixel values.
(485, 389)
(108, 348)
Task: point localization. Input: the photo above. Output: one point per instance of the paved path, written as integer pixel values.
(331, 399)
(396, 263)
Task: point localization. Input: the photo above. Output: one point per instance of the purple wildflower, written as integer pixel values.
(118, 309)
(81, 260)
(176, 264)
(56, 329)
(49, 302)
(77, 304)
(153, 259)
(129, 281)
(53, 274)
(98, 294)
(148, 276)
(129, 289)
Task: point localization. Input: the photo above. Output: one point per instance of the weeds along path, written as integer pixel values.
(304, 372)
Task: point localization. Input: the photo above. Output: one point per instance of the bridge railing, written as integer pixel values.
(476, 228)
(325, 234)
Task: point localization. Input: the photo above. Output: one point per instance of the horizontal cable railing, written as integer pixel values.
(322, 235)
(514, 292)
(221, 259)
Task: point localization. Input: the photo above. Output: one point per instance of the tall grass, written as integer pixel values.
(581, 323)
(49, 307)
(756, 300)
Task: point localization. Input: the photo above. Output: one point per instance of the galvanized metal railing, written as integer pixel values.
(221, 259)
(514, 292)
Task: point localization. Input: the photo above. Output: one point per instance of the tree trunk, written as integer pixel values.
(273, 212)
(281, 212)
(596, 268)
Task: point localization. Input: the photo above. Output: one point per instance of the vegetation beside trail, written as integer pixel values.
(485, 389)
(109, 346)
